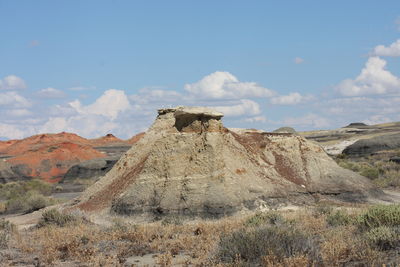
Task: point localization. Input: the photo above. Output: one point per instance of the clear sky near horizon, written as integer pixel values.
(98, 67)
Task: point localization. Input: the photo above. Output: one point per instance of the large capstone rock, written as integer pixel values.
(188, 164)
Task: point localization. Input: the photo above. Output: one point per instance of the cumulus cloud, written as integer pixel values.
(392, 50)
(13, 99)
(376, 119)
(256, 119)
(373, 79)
(10, 131)
(222, 84)
(298, 60)
(19, 112)
(290, 99)
(155, 95)
(244, 107)
(309, 120)
(12, 82)
(51, 93)
(110, 104)
(96, 119)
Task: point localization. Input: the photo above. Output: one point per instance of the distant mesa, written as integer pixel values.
(189, 164)
(285, 130)
(356, 125)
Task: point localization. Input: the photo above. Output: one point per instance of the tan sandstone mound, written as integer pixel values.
(187, 163)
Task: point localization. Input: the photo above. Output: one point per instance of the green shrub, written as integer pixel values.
(370, 172)
(14, 190)
(54, 217)
(15, 205)
(28, 202)
(37, 202)
(380, 215)
(251, 244)
(383, 237)
(37, 185)
(338, 218)
(261, 218)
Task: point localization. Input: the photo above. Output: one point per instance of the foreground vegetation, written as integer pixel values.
(25, 196)
(321, 236)
(378, 168)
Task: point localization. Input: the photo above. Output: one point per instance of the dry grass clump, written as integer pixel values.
(6, 231)
(267, 243)
(55, 217)
(307, 237)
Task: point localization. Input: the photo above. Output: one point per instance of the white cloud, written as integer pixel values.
(84, 125)
(298, 60)
(256, 119)
(290, 99)
(222, 84)
(244, 107)
(388, 51)
(18, 112)
(310, 120)
(105, 115)
(10, 131)
(12, 82)
(14, 100)
(110, 104)
(150, 95)
(373, 79)
(51, 93)
(376, 119)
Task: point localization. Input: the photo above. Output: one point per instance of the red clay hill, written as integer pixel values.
(49, 156)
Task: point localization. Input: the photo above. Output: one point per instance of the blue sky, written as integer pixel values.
(98, 67)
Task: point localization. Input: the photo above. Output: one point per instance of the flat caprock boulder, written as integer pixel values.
(189, 164)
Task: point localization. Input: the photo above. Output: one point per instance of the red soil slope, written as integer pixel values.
(5, 144)
(108, 139)
(50, 163)
(35, 142)
(48, 156)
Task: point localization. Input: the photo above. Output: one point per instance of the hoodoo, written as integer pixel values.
(188, 163)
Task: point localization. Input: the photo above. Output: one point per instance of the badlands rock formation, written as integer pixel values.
(187, 163)
(369, 146)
